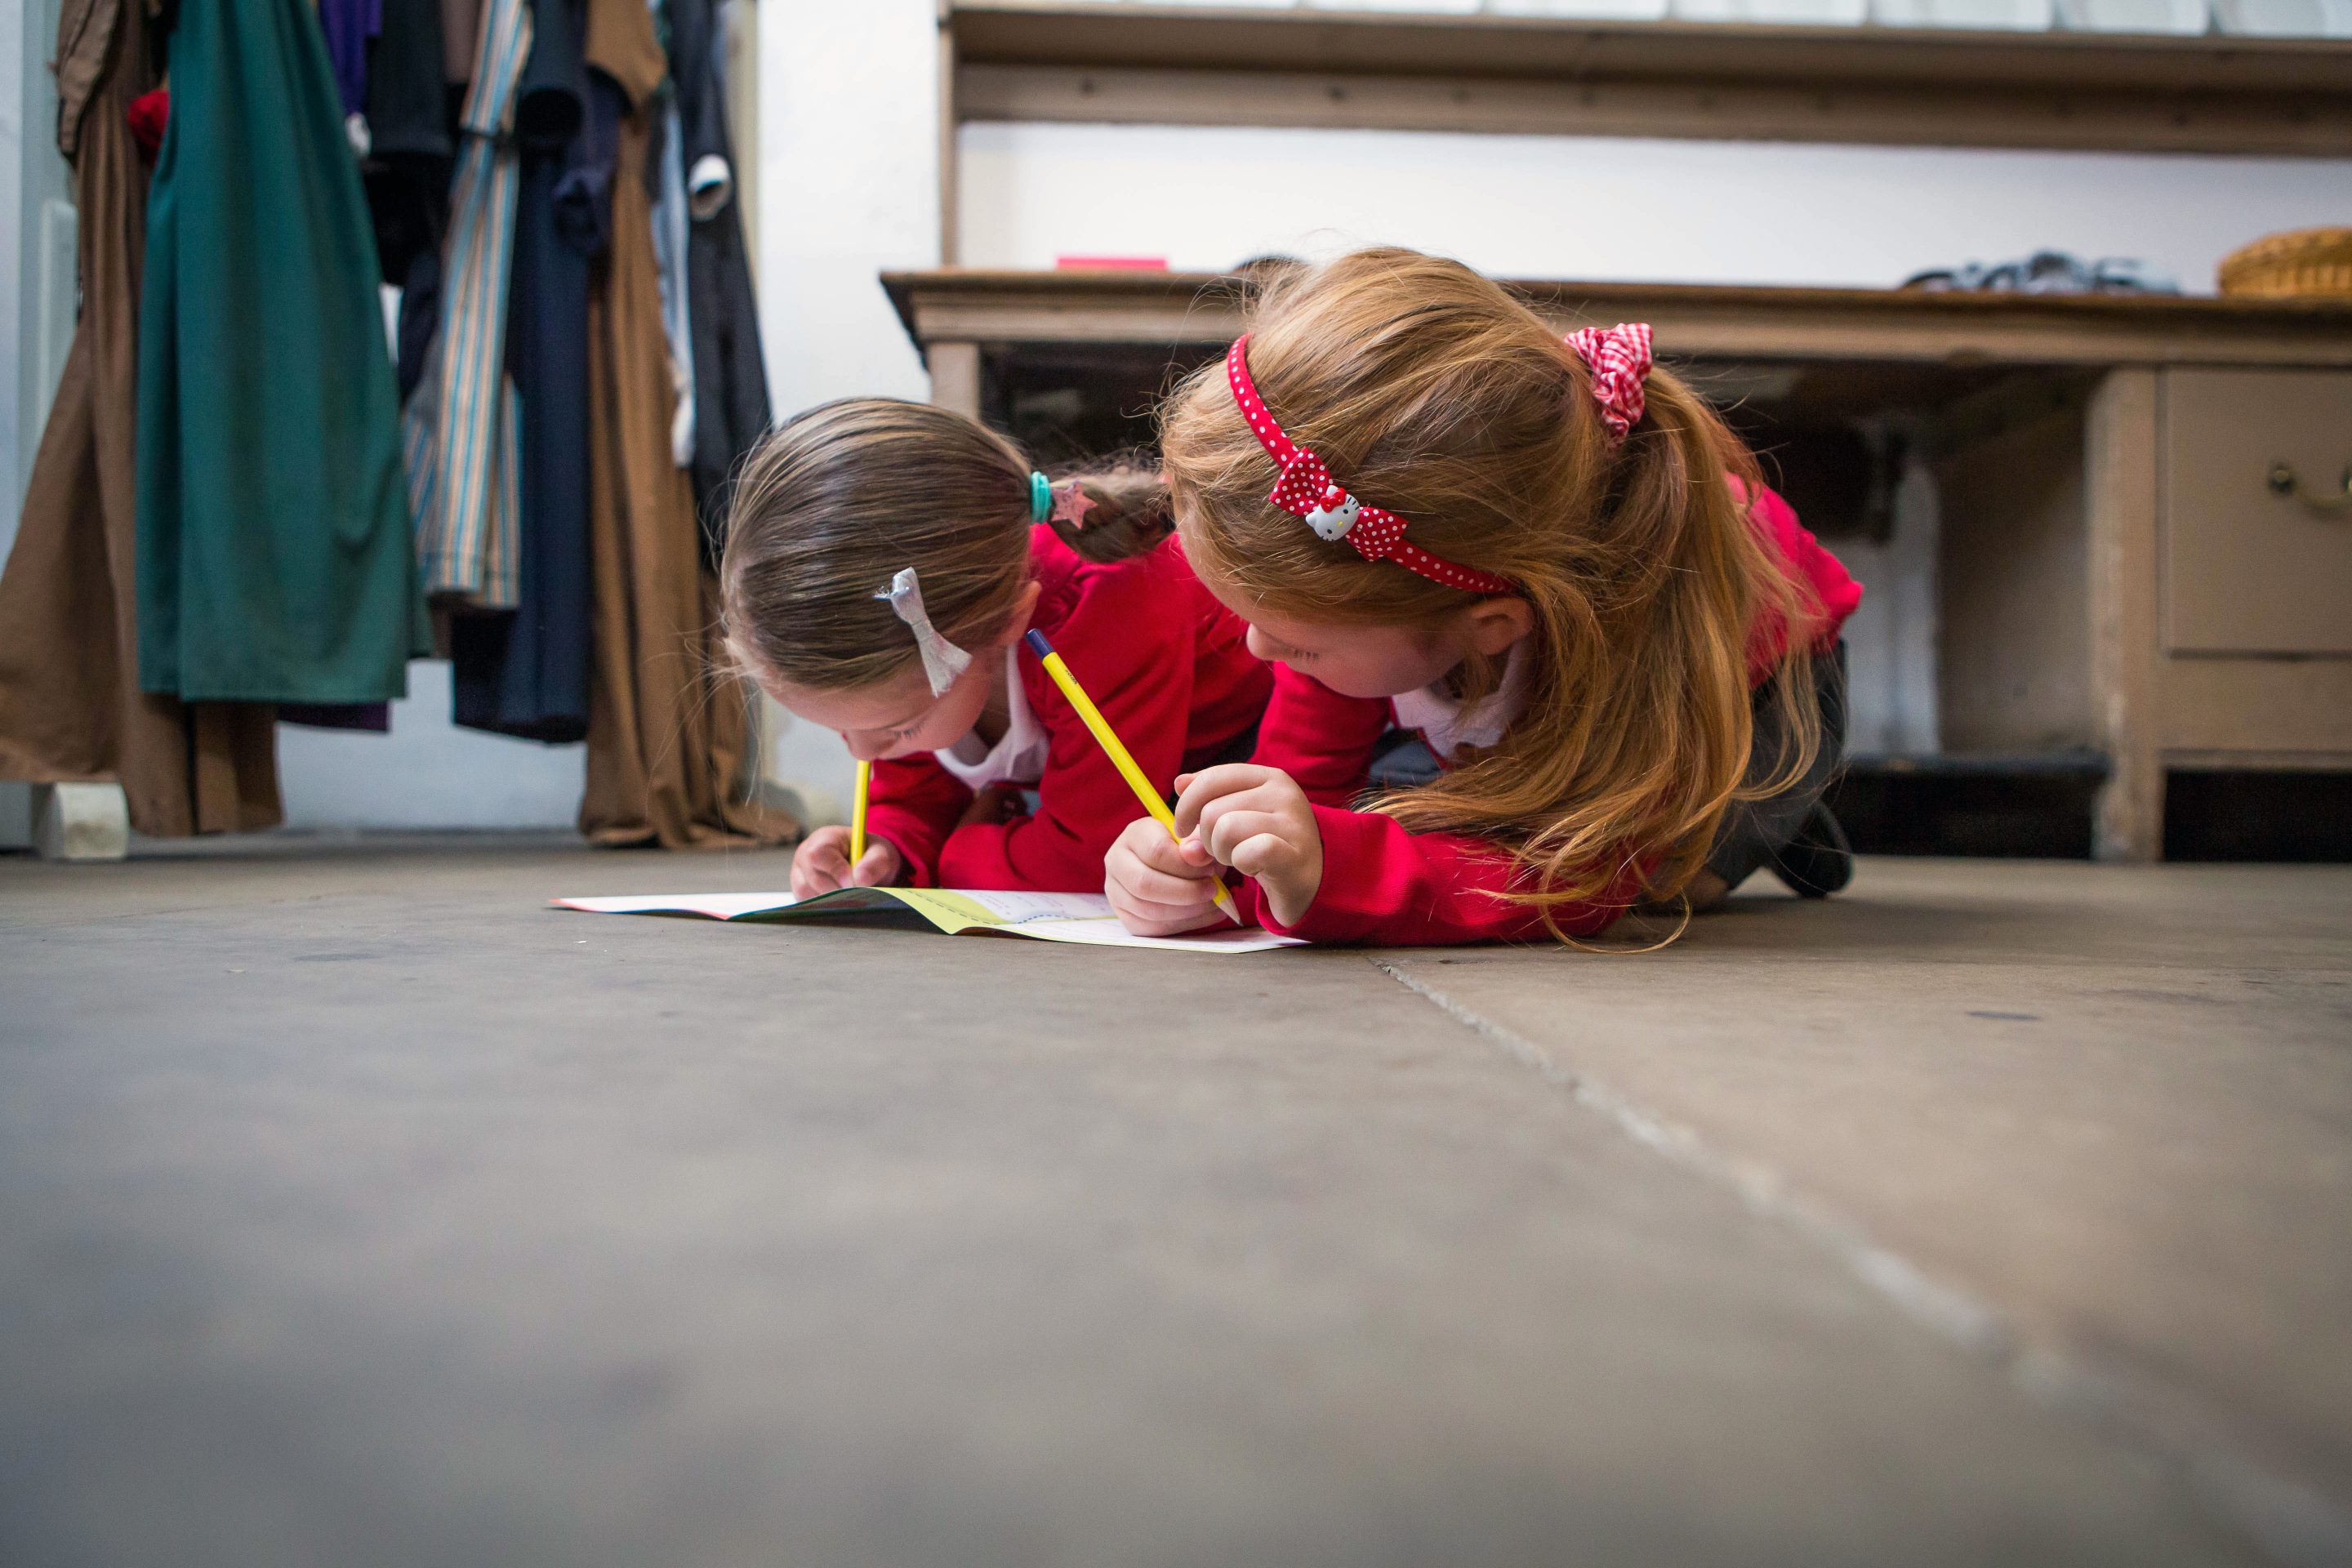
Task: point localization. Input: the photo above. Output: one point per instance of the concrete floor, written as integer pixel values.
(355, 1209)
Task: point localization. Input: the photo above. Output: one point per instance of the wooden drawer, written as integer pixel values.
(2246, 570)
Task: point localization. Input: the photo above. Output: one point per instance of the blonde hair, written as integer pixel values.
(1431, 392)
(838, 499)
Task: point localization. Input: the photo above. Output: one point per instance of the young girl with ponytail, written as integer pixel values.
(1546, 554)
(884, 560)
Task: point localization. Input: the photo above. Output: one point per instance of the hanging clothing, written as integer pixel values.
(350, 26)
(525, 672)
(738, 51)
(461, 31)
(462, 427)
(408, 82)
(71, 704)
(730, 377)
(670, 226)
(274, 561)
(408, 169)
(669, 726)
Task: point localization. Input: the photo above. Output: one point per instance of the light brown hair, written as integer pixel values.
(1433, 391)
(837, 501)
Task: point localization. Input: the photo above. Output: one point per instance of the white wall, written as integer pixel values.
(428, 773)
(1563, 207)
(849, 176)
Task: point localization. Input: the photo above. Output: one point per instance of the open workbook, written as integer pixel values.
(1048, 917)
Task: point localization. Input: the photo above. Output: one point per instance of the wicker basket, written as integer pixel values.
(2303, 264)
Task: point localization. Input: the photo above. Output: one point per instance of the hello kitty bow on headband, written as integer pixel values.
(1307, 491)
(1619, 358)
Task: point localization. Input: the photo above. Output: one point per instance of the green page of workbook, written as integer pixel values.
(1083, 918)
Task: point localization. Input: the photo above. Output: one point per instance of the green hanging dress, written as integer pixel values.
(274, 555)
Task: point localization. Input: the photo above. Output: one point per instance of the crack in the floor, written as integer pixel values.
(2287, 1521)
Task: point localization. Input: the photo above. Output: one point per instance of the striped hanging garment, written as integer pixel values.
(460, 432)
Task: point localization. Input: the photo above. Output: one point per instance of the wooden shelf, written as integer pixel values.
(1057, 62)
(975, 306)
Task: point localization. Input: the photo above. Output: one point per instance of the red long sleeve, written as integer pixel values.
(1383, 884)
(913, 804)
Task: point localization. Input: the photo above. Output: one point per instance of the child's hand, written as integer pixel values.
(821, 863)
(1154, 886)
(1258, 821)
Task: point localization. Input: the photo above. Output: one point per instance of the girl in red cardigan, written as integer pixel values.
(882, 561)
(1549, 557)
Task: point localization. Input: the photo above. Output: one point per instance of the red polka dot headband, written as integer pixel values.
(1619, 358)
(1306, 489)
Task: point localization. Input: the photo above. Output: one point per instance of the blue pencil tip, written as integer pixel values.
(1038, 645)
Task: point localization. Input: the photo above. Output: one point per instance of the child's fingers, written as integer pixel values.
(1149, 917)
(820, 866)
(1160, 888)
(1145, 863)
(1232, 829)
(1215, 784)
(1149, 843)
(1154, 919)
(879, 864)
(813, 875)
(1263, 855)
(1262, 800)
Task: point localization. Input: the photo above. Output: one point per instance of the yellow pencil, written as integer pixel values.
(857, 816)
(1109, 742)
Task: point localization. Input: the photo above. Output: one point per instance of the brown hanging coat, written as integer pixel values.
(667, 726)
(71, 707)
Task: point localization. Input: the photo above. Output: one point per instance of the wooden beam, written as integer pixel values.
(2120, 461)
(1792, 324)
(1864, 113)
(1054, 60)
(1058, 32)
(955, 377)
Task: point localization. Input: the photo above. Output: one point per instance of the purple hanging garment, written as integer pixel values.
(349, 26)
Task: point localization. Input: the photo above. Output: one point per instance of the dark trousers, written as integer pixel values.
(1755, 831)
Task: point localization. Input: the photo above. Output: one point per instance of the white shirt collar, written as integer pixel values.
(1448, 727)
(1018, 757)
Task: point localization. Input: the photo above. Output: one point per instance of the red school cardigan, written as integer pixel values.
(1166, 664)
(1385, 885)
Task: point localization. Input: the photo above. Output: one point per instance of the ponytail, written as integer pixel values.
(1126, 513)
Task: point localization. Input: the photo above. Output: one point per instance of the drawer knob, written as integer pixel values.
(2284, 481)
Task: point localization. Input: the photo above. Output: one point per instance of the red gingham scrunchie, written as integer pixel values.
(1619, 358)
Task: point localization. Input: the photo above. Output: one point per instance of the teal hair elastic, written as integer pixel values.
(1041, 496)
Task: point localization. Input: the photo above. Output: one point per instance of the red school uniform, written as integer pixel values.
(1383, 884)
(1166, 664)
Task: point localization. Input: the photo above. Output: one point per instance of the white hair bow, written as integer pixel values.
(942, 660)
